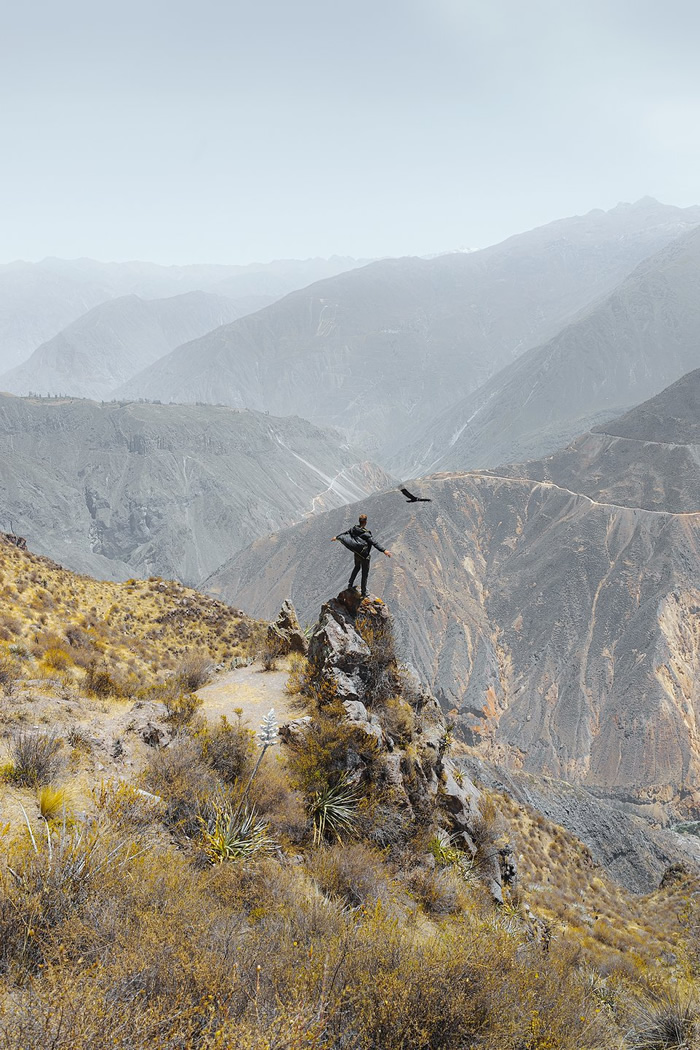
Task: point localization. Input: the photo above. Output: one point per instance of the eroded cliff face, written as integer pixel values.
(559, 628)
(120, 490)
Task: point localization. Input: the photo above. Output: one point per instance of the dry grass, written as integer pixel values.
(117, 638)
(115, 931)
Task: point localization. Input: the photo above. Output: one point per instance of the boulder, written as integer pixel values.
(285, 635)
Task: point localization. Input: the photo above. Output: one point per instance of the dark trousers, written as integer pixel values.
(360, 563)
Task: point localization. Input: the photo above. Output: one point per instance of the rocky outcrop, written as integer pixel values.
(285, 636)
(351, 659)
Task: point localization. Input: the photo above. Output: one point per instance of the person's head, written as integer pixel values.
(363, 520)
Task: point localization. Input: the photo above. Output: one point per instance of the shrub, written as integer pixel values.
(352, 873)
(9, 673)
(36, 757)
(180, 708)
(193, 672)
(441, 892)
(330, 744)
(227, 748)
(100, 682)
(269, 655)
(381, 671)
(127, 807)
(397, 720)
(57, 659)
(179, 776)
(298, 679)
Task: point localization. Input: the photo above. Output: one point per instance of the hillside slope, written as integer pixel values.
(561, 628)
(380, 350)
(116, 339)
(626, 348)
(125, 489)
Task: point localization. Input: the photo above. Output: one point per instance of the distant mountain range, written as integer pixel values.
(38, 300)
(625, 348)
(554, 606)
(108, 344)
(384, 349)
(135, 490)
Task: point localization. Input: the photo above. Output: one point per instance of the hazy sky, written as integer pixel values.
(229, 131)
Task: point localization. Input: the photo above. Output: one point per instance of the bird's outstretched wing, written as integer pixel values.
(415, 499)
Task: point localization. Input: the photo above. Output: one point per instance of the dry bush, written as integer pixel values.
(227, 747)
(298, 680)
(330, 744)
(57, 659)
(127, 807)
(282, 806)
(180, 708)
(380, 673)
(398, 721)
(439, 891)
(9, 675)
(35, 757)
(269, 655)
(99, 682)
(193, 672)
(179, 776)
(351, 873)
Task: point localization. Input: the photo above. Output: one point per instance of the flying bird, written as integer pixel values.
(410, 498)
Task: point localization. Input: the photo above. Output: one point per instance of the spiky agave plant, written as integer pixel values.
(239, 833)
(333, 809)
(229, 836)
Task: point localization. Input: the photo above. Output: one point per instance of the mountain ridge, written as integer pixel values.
(423, 331)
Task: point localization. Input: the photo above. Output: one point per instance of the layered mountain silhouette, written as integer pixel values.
(554, 606)
(38, 300)
(114, 340)
(380, 350)
(625, 348)
(126, 490)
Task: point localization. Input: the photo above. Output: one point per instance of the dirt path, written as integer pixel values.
(251, 689)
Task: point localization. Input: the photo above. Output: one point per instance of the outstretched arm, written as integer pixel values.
(380, 548)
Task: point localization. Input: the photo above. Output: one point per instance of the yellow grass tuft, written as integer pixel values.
(52, 802)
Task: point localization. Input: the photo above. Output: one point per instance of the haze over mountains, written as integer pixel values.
(108, 344)
(554, 606)
(38, 300)
(127, 490)
(382, 349)
(626, 347)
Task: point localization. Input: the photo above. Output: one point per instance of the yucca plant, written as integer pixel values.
(229, 835)
(665, 1023)
(333, 809)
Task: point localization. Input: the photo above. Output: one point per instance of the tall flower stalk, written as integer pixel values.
(267, 737)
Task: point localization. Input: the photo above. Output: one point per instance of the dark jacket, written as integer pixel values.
(364, 535)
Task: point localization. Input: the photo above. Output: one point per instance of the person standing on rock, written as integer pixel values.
(359, 540)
